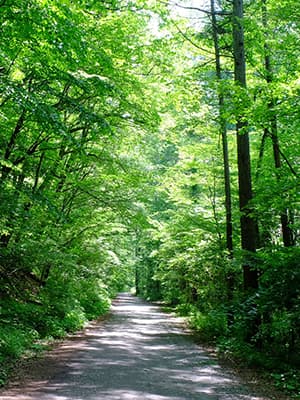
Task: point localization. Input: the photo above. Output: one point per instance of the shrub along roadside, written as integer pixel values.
(211, 328)
(28, 328)
(257, 328)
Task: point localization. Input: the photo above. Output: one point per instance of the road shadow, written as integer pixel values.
(138, 353)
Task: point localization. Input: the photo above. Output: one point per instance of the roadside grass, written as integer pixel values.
(27, 330)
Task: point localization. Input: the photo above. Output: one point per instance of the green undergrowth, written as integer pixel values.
(264, 356)
(27, 328)
(283, 375)
(258, 329)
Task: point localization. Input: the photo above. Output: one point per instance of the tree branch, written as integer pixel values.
(202, 10)
(69, 241)
(288, 163)
(190, 40)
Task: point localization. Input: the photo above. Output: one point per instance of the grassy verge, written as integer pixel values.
(28, 329)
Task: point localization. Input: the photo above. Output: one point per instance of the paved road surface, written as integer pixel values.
(139, 353)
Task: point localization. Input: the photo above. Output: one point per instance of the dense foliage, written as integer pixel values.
(124, 161)
(72, 111)
(188, 258)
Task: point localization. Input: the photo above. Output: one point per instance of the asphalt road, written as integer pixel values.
(139, 353)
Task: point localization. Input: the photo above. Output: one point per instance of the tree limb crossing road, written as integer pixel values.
(139, 353)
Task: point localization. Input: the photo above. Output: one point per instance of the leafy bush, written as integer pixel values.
(245, 319)
(185, 309)
(74, 320)
(209, 326)
(14, 340)
(279, 305)
(245, 353)
(94, 299)
(288, 381)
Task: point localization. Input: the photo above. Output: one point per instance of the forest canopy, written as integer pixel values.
(152, 145)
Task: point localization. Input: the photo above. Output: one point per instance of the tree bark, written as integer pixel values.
(223, 131)
(226, 167)
(249, 231)
(272, 132)
(9, 148)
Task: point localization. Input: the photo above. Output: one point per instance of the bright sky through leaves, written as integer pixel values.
(189, 9)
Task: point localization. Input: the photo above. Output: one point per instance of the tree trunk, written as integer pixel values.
(249, 232)
(9, 148)
(272, 131)
(223, 131)
(226, 168)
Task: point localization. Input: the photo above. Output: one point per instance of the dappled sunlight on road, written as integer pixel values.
(140, 353)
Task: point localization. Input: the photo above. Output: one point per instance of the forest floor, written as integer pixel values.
(137, 353)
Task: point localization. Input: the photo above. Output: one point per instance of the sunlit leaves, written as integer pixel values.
(69, 95)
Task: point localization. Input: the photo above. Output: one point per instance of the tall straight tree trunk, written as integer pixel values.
(223, 131)
(226, 168)
(272, 131)
(249, 231)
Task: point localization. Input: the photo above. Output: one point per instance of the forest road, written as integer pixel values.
(138, 353)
